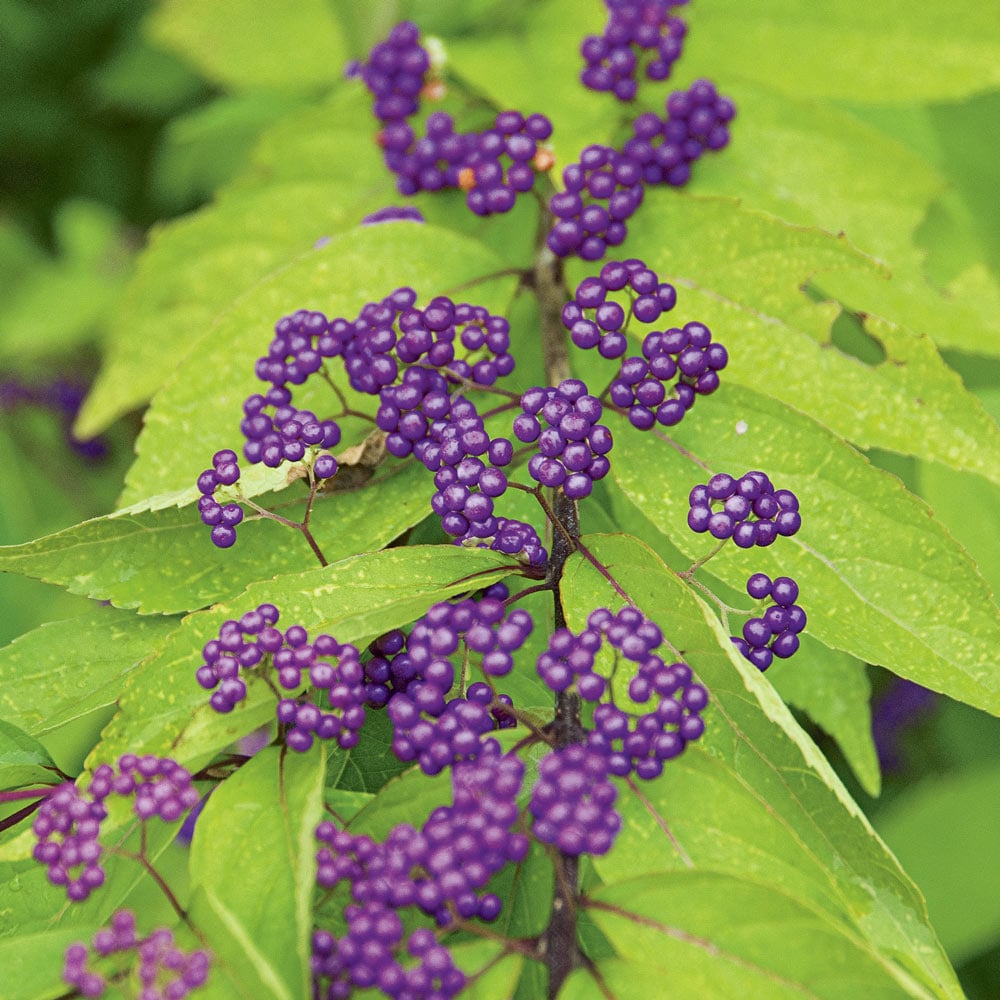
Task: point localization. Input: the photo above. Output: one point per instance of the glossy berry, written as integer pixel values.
(775, 632)
(639, 34)
(749, 509)
(573, 802)
(571, 445)
(602, 191)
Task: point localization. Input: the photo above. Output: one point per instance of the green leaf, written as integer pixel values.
(636, 979)
(33, 963)
(952, 496)
(753, 798)
(490, 973)
(369, 765)
(359, 266)
(64, 671)
(206, 147)
(833, 689)
(714, 934)
(527, 71)
(285, 45)
(163, 561)
(742, 274)
(163, 709)
(849, 177)
(170, 303)
(889, 52)
(23, 760)
(257, 911)
(944, 831)
(879, 577)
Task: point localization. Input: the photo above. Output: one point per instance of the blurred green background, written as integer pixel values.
(105, 132)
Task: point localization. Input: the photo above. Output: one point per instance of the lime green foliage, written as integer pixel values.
(754, 799)
(890, 584)
(259, 912)
(162, 709)
(955, 815)
(132, 560)
(833, 690)
(878, 53)
(285, 45)
(23, 760)
(61, 682)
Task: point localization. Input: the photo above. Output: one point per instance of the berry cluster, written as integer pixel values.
(573, 801)
(418, 361)
(572, 447)
(621, 742)
(222, 518)
(252, 641)
(686, 355)
(752, 511)
(68, 823)
(606, 186)
(594, 320)
(637, 31)
(503, 160)
(394, 73)
(415, 675)
(466, 486)
(696, 121)
(440, 867)
(163, 970)
(601, 193)
(492, 166)
(776, 632)
(365, 957)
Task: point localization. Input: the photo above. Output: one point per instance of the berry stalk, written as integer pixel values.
(557, 944)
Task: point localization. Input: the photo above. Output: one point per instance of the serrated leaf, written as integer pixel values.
(742, 274)
(362, 265)
(163, 561)
(257, 914)
(833, 689)
(196, 267)
(23, 760)
(754, 797)
(890, 52)
(849, 177)
(714, 935)
(243, 45)
(878, 576)
(163, 710)
(62, 671)
(944, 831)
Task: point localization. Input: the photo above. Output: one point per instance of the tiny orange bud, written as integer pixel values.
(467, 178)
(544, 160)
(433, 90)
